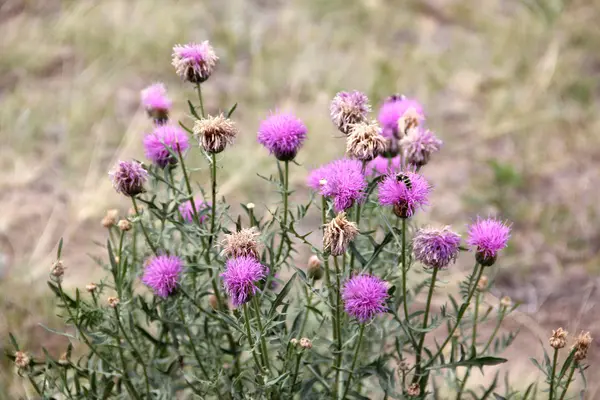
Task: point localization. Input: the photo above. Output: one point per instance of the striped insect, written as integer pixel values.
(400, 177)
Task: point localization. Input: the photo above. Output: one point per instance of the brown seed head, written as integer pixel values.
(124, 225)
(215, 133)
(338, 234)
(558, 340)
(110, 218)
(113, 302)
(365, 142)
(212, 300)
(413, 390)
(22, 360)
(305, 343)
(242, 243)
(63, 360)
(582, 344)
(294, 341)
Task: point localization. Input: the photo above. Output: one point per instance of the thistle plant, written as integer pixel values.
(200, 303)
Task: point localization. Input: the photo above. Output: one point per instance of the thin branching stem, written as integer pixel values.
(137, 212)
(552, 374)
(419, 350)
(285, 194)
(354, 360)
(569, 380)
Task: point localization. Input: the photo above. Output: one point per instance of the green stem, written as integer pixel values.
(425, 318)
(357, 219)
(295, 376)
(404, 273)
(354, 359)
(199, 90)
(250, 340)
(137, 212)
(554, 360)
(495, 331)
(263, 343)
(285, 184)
(213, 206)
(473, 343)
(338, 327)
(569, 379)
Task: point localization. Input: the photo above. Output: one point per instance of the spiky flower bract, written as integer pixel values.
(241, 277)
(156, 102)
(128, 178)
(418, 146)
(282, 134)
(406, 192)
(341, 180)
(348, 108)
(162, 145)
(215, 133)
(383, 165)
(187, 213)
(338, 234)
(364, 297)
(436, 248)
(194, 62)
(162, 274)
(393, 110)
(489, 236)
(364, 142)
(242, 243)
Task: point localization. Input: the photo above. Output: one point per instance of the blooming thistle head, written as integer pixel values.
(305, 343)
(240, 278)
(348, 108)
(156, 102)
(405, 191)
(382, 165)
(365, 142)
(489, 236)
(215, 133)
(194, 62)
(414, 390)
(364, 297)
(392, 111)
(282, 134)
(162, 144)
(187, 213)
(581, 346)
(341, 180)
(418, 146)
(338, 234)
(242, 243)
(558, 340)
(128, 178)
(162, 273)
(436, 248)
(22, 359)
(483, 283)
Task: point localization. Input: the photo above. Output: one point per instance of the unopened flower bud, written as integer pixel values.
(558, 340)
(413, 390)
(128, 178)
(194, 62)
(113, 302)
(314, 270)
(305, 343)
(22, 360)
(338, 234)
(124, 225)
(349, 108)
(294, 341)
(58, 270)
(214, 303)
(506, 301)
(250, 206)
(110, 218)
(91, 288)
(482, 285)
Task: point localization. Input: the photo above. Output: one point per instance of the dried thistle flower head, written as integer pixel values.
(413, 390)
(365, 142)
(581, 346)
(305, 343)
(418, 145)
(91, 288)
(338, 234)
(22, 360)
(124, 225)
(110, 218)
(194, 62)
(314, 269)
(58, 269)
(242, 244)
(483, 283)
(409, 120)
(294, 341)
(558, 340)
(214, 303)
(215, 133)
(113, 302)
(506, 301)
(348, 108)
(128, 178)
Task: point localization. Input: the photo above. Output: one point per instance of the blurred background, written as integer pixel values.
(510, 86)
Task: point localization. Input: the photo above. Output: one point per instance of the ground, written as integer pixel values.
(510, 86)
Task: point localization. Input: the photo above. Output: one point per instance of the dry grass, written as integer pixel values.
(510, 83)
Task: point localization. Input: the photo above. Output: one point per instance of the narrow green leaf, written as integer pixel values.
(193, 110)
(281, 296)
(231, 110)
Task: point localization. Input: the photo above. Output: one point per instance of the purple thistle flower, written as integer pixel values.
(392, 110)
(348, 108)
(164, 138)
(405, 191)
(418, 146)
(186, 211)
(342, 180)
(282, 134)
(128, 178)
(489, 236)
(240, 278)
(382, 165)
(364, 297)
(436, 248)
(156, 102)
(194, 62)
(162, 274)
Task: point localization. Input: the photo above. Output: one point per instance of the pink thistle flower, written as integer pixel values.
(405, 191)
(489, 236)
(393, 110)
(364, 297)
(194, 62)
(186, 211)
(241, 277)
(418, 145)
(156, 102)
(349, 108)
(436, 248)
(128, 178)
(163, 142)
(383, 165)
(162, 274)
(282, 134)
(342, 180)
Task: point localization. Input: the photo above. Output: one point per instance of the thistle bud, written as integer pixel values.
(558, 340)
(113, 302)
(124, 225)
(305, 343)
(91, 288)
(63, 360)
(338, 234)
(22, 360)
(110, 218)
(58, 270)
(314, 270)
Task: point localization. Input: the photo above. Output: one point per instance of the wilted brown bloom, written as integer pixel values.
(124, 225)
(338, 234)
(110, 218)
(58, 269)
(558, 340)
(113, 302)
(22, 360)
(413, 390)
(305, 343)
(242, 244)
(63, 360)
(365, 141)
(581, 346)
(215, 133)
